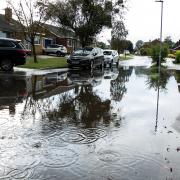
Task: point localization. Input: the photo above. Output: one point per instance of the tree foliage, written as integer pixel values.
(139, 44)
(119, 30)
(169, 42)
(85, 17)
(122, 45)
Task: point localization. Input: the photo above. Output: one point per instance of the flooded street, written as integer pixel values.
(98, 125)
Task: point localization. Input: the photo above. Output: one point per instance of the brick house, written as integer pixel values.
(10, 28)
(56, 35)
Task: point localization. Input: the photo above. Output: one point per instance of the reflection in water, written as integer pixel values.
(177, 77)
(88, 125)
(158, 82)
(118, 88)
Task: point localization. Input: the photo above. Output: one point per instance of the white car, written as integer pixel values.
(57, 49)
(110, 57)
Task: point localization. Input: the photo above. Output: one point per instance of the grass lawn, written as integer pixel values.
(128, 57)
(49, 63)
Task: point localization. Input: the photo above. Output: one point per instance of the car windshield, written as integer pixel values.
(107, 52)
(84, 51)
(20, 45)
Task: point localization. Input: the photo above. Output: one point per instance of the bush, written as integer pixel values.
(145, 51)
(178, 57)
(155, 50)
(171, 56)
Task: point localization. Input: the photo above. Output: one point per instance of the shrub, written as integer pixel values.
(145, 51)
(155, 50)
(171, 56)
(178, 57)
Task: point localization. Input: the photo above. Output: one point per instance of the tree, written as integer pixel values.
(85, 17)
(122, 45)
(29, 17)
(139, 44)
(101, 45)
(169, 42)
(155, 50)
(119, 30)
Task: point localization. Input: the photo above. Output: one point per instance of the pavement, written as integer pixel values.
(30, 72)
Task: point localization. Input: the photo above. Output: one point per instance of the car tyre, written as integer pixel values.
(70, 66)
(6, 65)
(58, 54)
(111, 63)
(102, 64)
(117, 63)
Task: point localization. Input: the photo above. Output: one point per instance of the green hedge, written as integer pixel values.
(178, 57)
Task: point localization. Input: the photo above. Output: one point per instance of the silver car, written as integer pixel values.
(110, 57)
(57, 49)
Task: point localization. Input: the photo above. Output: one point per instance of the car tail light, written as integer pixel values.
(22, 51)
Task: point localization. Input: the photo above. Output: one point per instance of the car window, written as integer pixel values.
(107, 52)
(83, 51)
(20, 45)
(6, 43)
(115, 53)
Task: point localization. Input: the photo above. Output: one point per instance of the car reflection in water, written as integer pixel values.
(86, 77)
(13, 90)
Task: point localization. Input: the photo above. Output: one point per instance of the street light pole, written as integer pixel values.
(160, 53)
(159, 67)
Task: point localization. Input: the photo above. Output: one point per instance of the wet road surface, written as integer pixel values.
(98, 125)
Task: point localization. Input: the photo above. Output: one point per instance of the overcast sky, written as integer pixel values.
(143, 20)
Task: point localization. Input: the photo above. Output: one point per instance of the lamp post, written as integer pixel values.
(160, 53)
(159, 64)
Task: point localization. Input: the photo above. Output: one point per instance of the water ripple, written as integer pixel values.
(58, 158)
(86, 136)
(73, 137)
(3, 121)
(18, 158)
(108, 156)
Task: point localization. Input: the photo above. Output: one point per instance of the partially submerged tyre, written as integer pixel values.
(102, 65)
(6, 65)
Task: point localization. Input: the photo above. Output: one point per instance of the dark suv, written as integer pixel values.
(87, 57)
(12, 53)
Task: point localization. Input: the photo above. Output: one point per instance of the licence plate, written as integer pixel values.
(75, 62)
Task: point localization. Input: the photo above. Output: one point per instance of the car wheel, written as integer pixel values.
(58, 53)
(111, 63)
(102, 65)
(6, 65)
(117, 63)
(70, 66)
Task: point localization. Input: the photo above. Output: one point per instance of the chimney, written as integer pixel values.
(8, 14)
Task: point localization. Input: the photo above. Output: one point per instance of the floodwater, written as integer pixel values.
(100, 125)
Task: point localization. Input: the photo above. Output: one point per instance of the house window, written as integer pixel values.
(2, 34)
(37, 40)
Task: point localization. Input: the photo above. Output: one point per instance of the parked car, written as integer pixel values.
(57, 49)
(86, 57)
(111, 57)
(12, 53)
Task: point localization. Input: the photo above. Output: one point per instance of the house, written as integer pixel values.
(49, 34)
(9, 28)
(177, 48)
(59, 35)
